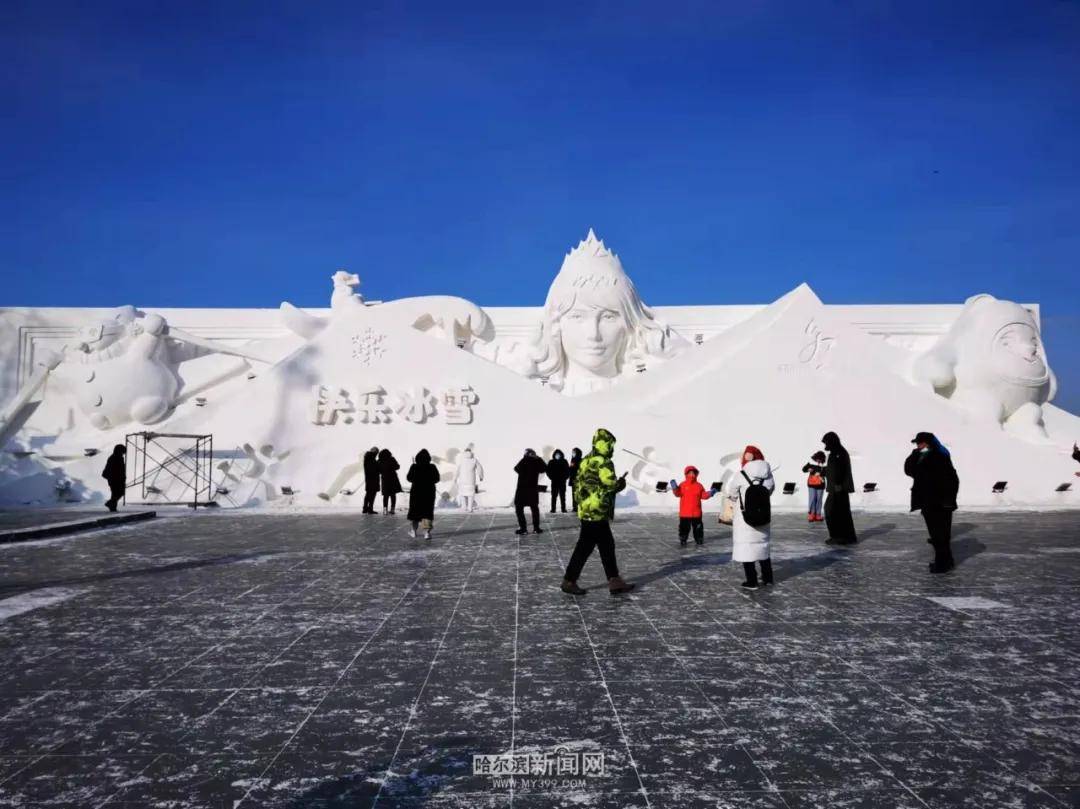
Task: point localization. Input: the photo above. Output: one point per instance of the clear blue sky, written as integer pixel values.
(235, 154)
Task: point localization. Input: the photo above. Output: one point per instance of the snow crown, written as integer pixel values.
(591, 265)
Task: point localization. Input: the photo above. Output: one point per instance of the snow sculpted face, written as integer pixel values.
(1018, 354)
(595, 325)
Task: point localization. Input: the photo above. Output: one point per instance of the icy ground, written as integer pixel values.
(217, 660)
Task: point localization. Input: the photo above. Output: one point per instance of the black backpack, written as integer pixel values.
(756, 511)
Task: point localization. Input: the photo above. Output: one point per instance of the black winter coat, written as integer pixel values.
(371, 472)
(423, 477)
(529, 471)
(934, 480)
(838, 472)
(558, 471)
(388, 478)
(115, 471)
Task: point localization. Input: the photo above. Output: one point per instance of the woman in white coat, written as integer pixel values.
(468, 477)
(750, 543)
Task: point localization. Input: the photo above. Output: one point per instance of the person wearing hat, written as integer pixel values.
(529, 469)
(371, 479)
(690, 494)
(839, 485)
(933, 491)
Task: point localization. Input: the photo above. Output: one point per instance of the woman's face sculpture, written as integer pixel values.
(593, 339)
(1018, 354)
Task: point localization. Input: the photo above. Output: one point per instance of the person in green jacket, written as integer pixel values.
(595, 488)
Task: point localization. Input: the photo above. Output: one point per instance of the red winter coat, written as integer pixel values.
(690, 496)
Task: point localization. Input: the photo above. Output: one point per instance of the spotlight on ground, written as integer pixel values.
(718, 485)
(789, 488)
(999, 487)
(287, 490)
(869, 487)
(1064, 487)
(661, 485)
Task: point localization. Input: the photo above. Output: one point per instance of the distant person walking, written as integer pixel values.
(575, 464)
(751, 532)
(468, 476)
(422, 475)
(371, 479)
(596, 487)
(690, 493)
(558, 472)
(935, 485)
(389, 483)
(115, 474)
(815, 486)
(839, 485)
(529, 469)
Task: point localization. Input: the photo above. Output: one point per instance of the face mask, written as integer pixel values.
(924, 450)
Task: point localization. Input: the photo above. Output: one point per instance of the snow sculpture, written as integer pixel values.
(454, 320)
(992, 363)
(595, 327)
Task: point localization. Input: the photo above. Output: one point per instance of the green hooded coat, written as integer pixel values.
(596, 483)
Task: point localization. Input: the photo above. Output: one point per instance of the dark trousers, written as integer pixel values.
(594, 534)
(751, 573)
(838, 517)
(389, 501)
(519, 509)
(558, 492)
(369, 500)
(116, 494)
(939, 524)
(687, 523)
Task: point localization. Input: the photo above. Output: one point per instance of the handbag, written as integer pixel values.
(727, 517)
(815, 480)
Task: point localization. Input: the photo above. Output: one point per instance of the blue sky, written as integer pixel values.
(235, 154)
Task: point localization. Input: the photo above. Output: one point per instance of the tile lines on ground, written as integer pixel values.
(513, 693)
(603, 679)
(262, 776)
(234, 691)
(139, 693)
(431, 667)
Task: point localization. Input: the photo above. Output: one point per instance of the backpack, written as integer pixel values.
(756, 511)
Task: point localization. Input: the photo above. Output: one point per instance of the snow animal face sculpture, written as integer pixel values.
(595, 325)
(993, 364)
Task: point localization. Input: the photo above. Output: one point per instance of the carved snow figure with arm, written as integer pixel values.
(934, 487)
(992, 364)
(595, 488)
(468, 476)
(690, 493)
(750, 541)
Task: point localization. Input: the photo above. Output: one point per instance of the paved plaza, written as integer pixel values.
(327, 660)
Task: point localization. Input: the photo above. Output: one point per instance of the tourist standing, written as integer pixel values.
(934, 487)
(575, 464)
(422, 475)
(690, 493)
(751, 532)
(468, 476)
(839, 485)
(595, 489)
(558, 472)
(529, 469)
(115, 474)
(371, 479)
(815, 485)
(389, 483)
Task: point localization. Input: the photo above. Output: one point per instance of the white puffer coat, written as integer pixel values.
(749, 544)
(469, 474)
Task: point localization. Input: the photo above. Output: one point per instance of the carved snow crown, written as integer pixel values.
(592, 265)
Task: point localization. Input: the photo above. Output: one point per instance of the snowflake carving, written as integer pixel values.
(368, 346)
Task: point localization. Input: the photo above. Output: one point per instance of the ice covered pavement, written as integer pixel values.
(328, 660)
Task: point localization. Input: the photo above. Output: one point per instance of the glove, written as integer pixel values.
(673, 484)
(713, 491)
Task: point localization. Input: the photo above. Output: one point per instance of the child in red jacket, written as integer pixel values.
(690, 494)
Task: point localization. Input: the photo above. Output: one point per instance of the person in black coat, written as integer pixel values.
(388, 480)
(934, 487)
(371, 479)
(838, 485)
(558, 472)
(529, 469)
(423, 475)
(115, 474)
(575, 464)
